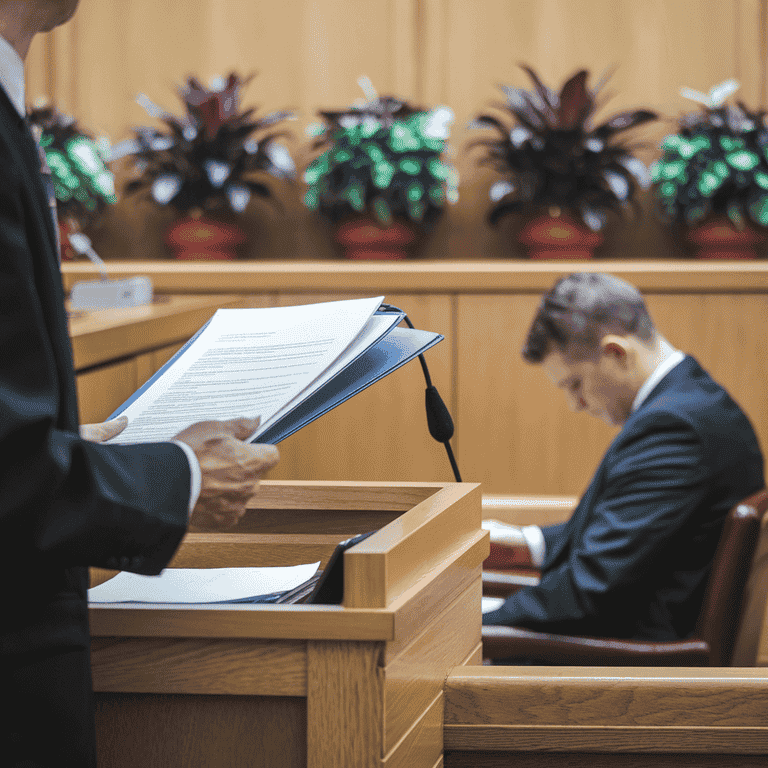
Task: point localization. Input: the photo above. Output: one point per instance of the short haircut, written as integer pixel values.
(579, 310)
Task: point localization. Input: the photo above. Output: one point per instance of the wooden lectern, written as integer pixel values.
(350, 686)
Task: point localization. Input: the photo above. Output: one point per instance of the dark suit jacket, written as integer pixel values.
(633, 559)
(65, 503)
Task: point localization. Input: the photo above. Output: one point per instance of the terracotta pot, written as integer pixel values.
(204, 239)
(66, 251)
(559, 237)
(719, 239)
(365, 239)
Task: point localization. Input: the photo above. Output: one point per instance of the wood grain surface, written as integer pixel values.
(604, 710)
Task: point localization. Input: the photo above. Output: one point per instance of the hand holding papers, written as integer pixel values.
(230, 469)
(100, 433)
(287, 364)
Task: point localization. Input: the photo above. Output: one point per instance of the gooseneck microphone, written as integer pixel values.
(439, 421)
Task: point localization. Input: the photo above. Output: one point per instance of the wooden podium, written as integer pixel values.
(355, 685)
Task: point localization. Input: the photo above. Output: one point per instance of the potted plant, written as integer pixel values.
(380, 181)
(562, 171)
(712, 178)
(207, 165)
(83, 184)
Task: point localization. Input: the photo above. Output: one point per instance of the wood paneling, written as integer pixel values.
(242, 667)
(344, 707)
(528, 510)
(657, 47)
(539, 445)
(310, 53)
(416, 676)
(101, 390)
(517, 433)
(514, 431)
(382, 432)
(178, 731)
(727, 335)
(428, 277)
(593, 710)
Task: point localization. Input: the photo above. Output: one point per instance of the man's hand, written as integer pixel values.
(99, 433)
(230, 469)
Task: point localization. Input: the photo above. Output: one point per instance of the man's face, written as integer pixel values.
(599, 384)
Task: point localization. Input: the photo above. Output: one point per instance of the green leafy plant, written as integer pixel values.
(83, 183)
(553, 157)
(382, 158)
(208, 159)
(716, 163)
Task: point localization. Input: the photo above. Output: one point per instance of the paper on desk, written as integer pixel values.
(251, 362)
(200, 585)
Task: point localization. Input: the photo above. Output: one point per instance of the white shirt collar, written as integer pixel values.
(670, 358)
(12, 75)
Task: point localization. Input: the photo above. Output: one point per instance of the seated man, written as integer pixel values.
(633, 559)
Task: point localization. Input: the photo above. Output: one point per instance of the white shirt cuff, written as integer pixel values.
(535, 540)
(195, 474)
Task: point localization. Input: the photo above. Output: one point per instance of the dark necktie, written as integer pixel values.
(47, 174)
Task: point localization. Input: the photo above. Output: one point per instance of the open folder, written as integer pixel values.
(288, 365)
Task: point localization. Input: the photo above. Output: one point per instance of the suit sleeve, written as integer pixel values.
(552, 535)
(652, 487)
(63, 499)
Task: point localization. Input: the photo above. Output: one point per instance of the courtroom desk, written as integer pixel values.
(514, 431)
(357, 685)
(116, 350)
(600, 717)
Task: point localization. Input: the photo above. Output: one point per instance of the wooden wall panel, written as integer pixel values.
(342, 445)
(233, 731)
(309, 54)
(657, 46)
(516, 432)
(728, 335)
(101, 390)
(527, 440)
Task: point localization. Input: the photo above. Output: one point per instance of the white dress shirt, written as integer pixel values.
(12, 82)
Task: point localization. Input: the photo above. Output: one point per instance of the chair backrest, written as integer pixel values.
(721, 610)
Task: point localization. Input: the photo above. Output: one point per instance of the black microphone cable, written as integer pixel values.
(439, 420)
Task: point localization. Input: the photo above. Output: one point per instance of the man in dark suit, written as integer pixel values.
(633, 559)
(67, 502)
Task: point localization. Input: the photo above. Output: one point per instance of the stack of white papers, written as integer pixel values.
(200, 585)
(267, 363)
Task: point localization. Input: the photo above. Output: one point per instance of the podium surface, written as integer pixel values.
(358, 684)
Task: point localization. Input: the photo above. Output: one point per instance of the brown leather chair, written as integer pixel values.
(716, 630)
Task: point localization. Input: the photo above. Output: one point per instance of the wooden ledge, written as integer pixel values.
(481, 276)
(607, 709)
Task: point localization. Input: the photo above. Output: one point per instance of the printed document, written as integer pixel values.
(200, 585)
(254, 362)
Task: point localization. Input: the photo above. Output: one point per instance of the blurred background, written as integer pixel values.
(309, 54)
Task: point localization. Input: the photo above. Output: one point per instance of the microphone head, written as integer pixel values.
(439, 420)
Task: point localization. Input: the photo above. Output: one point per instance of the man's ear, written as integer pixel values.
(617, 348)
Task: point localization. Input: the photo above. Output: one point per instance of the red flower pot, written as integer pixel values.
(365, 239)
(66, 251)
(559, 237)
(204, 239)
(719, 239)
